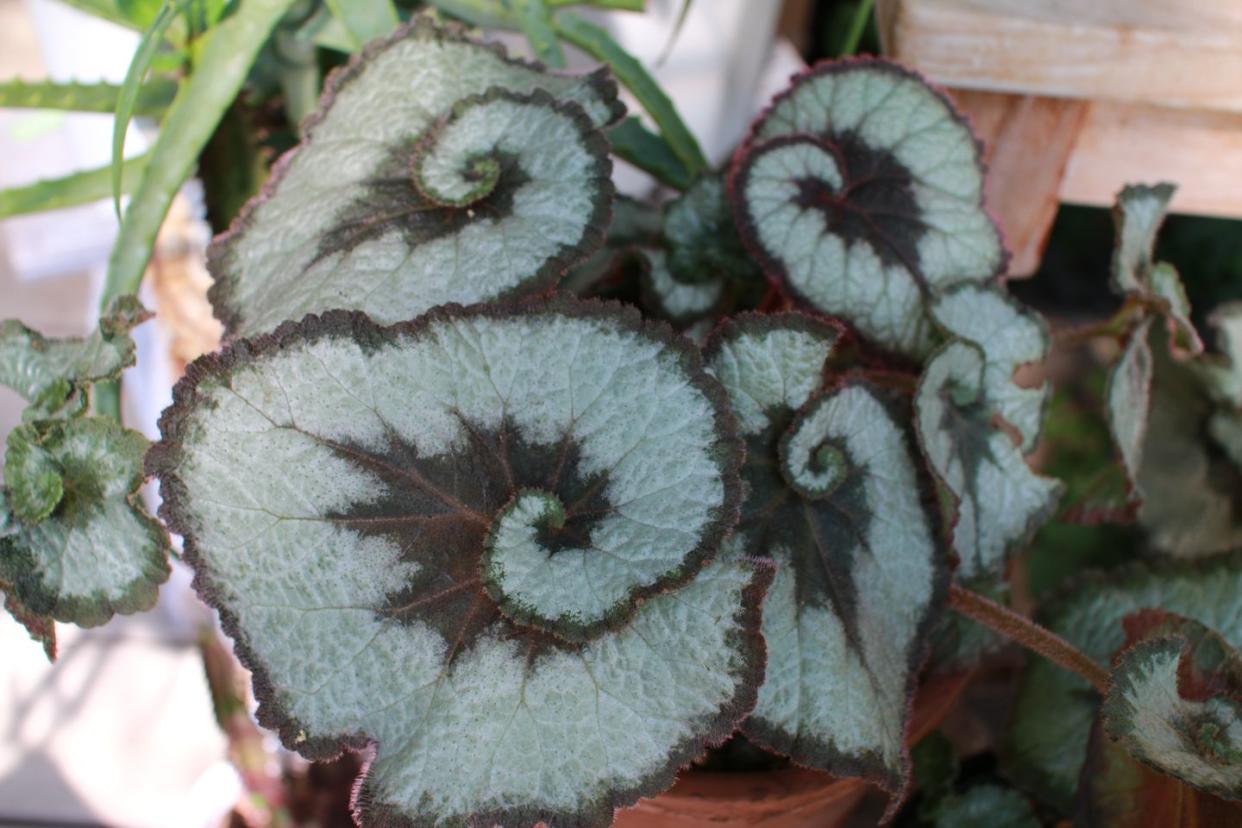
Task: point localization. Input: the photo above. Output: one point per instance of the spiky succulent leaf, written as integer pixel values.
(97, 553)
(1010, 336)
(834, 497)
(52, 374)
(1174, 701)
(1000, 501)
(1129, 400)
(496, 567)
(1137, 215)
(437, 170)
(861, 188)
(702, 238)
(1054, 709)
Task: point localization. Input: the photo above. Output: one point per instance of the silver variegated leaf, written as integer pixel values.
(861, 187)
(53, 374)
(1010, 336)
(1175, 702)
(1054, 709)
(437, 170)
(97, 552)
(679, 302)
(1129, 401)
(701, 236)
(835, 498)
(1000, 500)
(495, 563)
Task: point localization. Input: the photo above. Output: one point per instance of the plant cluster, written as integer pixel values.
(537, 492)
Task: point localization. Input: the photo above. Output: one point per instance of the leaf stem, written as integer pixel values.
(1026, 632)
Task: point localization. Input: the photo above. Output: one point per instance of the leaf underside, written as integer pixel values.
(489, 496)
(1129, 402)
(1000, 501)
(1054, 709)
(834, 498)
(437, 170)
(861, 188)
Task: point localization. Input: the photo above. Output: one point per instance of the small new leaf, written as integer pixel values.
(96, 553)
(835, 498)
(862, 189)
(497, 566)
(467, 176)
(701, 237)
(53, 374)
(1000, 501)
(1175, 701)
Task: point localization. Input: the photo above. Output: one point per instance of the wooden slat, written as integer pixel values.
(1028, 142)
(1182, 53)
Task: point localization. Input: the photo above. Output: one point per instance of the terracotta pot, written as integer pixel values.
(787, 798)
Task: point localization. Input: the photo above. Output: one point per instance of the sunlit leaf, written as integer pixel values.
(468, 176)
(861, 188)
(459, 582)
(834, 496)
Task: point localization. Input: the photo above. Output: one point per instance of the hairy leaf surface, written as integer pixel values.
(702, 238)
(834, 497)
(673, 299)
(493, 563)
(862, 188)
(97, 552)
(1000, 500)
(1129, 400)
(437, 170)
(1054, 709)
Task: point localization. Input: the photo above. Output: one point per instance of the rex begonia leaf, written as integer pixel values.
(702, 238)
(1137, 215)
(97, 553)
(1222, 373)
(1129, 401)
(480, 542)
(834, 496)
(1000, 500)
(672, 299)
(1175, 702)
(52, 374)
(985, 806)
(1054, 709)
(861, 188)
(437, 170)
(1010, 337)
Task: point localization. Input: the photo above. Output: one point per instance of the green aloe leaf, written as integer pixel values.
(504, 553)
(224, 57)
(537, 25)
(861, 188)
(471, 176)
(97, 553)
(152, 97)
(835, 497)
(71, 190)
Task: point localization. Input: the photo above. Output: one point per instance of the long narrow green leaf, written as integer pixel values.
(69, 191)
(633, 142)
(483, 14)
(537, 26)
(620, 5)
(128, 96)
(599, 44)
(153, 97)
(109, 10)
(365, 20)
(227, 53)
(858, 26)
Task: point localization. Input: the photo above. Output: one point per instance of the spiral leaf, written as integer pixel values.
(861, 188)
(496, 568)
(437, 170)
(835, 498)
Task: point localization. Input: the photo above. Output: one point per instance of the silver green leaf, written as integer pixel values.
(702, 238)
(437, 170)
(1054, 710)
(31, 474)
(862, 188)
(1175, 702)
(834, 497)
(494, 564)
(1010, 336)
(672, 299)
(1000, 501)
(1222, 373)
(1129, 401)
(52, 374)
(97, 553)
(1137, 216)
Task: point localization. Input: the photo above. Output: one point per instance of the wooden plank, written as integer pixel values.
(1028, 142)
(1182, 53)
